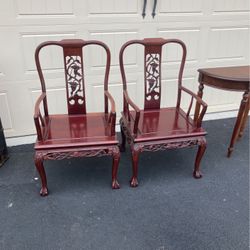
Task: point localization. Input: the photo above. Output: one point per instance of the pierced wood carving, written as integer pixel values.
(74, 73)
(152, 77)
(170, 145)
(74, 154)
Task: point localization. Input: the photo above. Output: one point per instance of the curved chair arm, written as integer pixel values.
(38, 119)
(111, 99)
(200, 101)
(137, 110)
(112, 114)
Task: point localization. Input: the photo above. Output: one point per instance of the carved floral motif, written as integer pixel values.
(77, 153)
(74, 79)
(169, 145)
(152, 77)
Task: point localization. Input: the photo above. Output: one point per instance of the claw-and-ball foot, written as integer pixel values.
(134, 182)
(197, 174)
(115, 184)
(44, 191)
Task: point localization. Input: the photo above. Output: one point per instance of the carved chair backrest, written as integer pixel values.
(74, 73)
(152, 69)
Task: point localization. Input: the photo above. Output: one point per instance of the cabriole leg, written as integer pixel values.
(201, 150)
(116, 160)
(135, 158)
(40, 168)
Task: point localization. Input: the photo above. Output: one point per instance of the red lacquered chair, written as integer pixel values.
(78, 133)
(155, 128)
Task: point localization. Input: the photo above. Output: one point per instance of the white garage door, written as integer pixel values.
(216, 34)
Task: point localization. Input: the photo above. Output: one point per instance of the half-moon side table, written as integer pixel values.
(232, 79)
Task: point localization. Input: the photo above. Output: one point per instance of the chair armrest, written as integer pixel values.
(130, 102)
(38, 119)
(194, 95)
(111, 99)
(112, 114)
(199, 101)
(137, 110)
(37, 105)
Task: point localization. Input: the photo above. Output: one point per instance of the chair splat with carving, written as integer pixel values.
(155, 128)
(78, 133)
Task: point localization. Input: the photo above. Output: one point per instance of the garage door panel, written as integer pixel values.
(181, 7)
(97, 99)
(114, 11)
(221, 101)
(222, 42)
(56, 99)
(17, 108)
(232, 6)
(11, 62)
(48, 12)
(114, 39)
(95, 91)
(170, 91)
(45, 7)
(172, 53)
(5, 113)
(112, 7)
(7, 12)
(51, 57)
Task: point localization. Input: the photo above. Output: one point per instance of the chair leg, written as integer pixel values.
(201, 150)
(40, 168)
(135, 158)
(122, 145)
(116, 160)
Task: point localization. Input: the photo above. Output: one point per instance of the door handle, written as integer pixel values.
(144, 8)
(154, 8)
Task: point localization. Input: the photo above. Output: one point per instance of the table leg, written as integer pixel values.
(197, 106)
(244, 120)
(238, 123)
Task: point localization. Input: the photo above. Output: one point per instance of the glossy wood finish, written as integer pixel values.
(232, 79)
(78, 133)
(156, 128)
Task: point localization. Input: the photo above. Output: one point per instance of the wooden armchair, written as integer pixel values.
(155, 128)
(78, 133)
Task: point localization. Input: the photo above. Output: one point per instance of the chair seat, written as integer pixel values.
(76, 130)
(164, 123)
